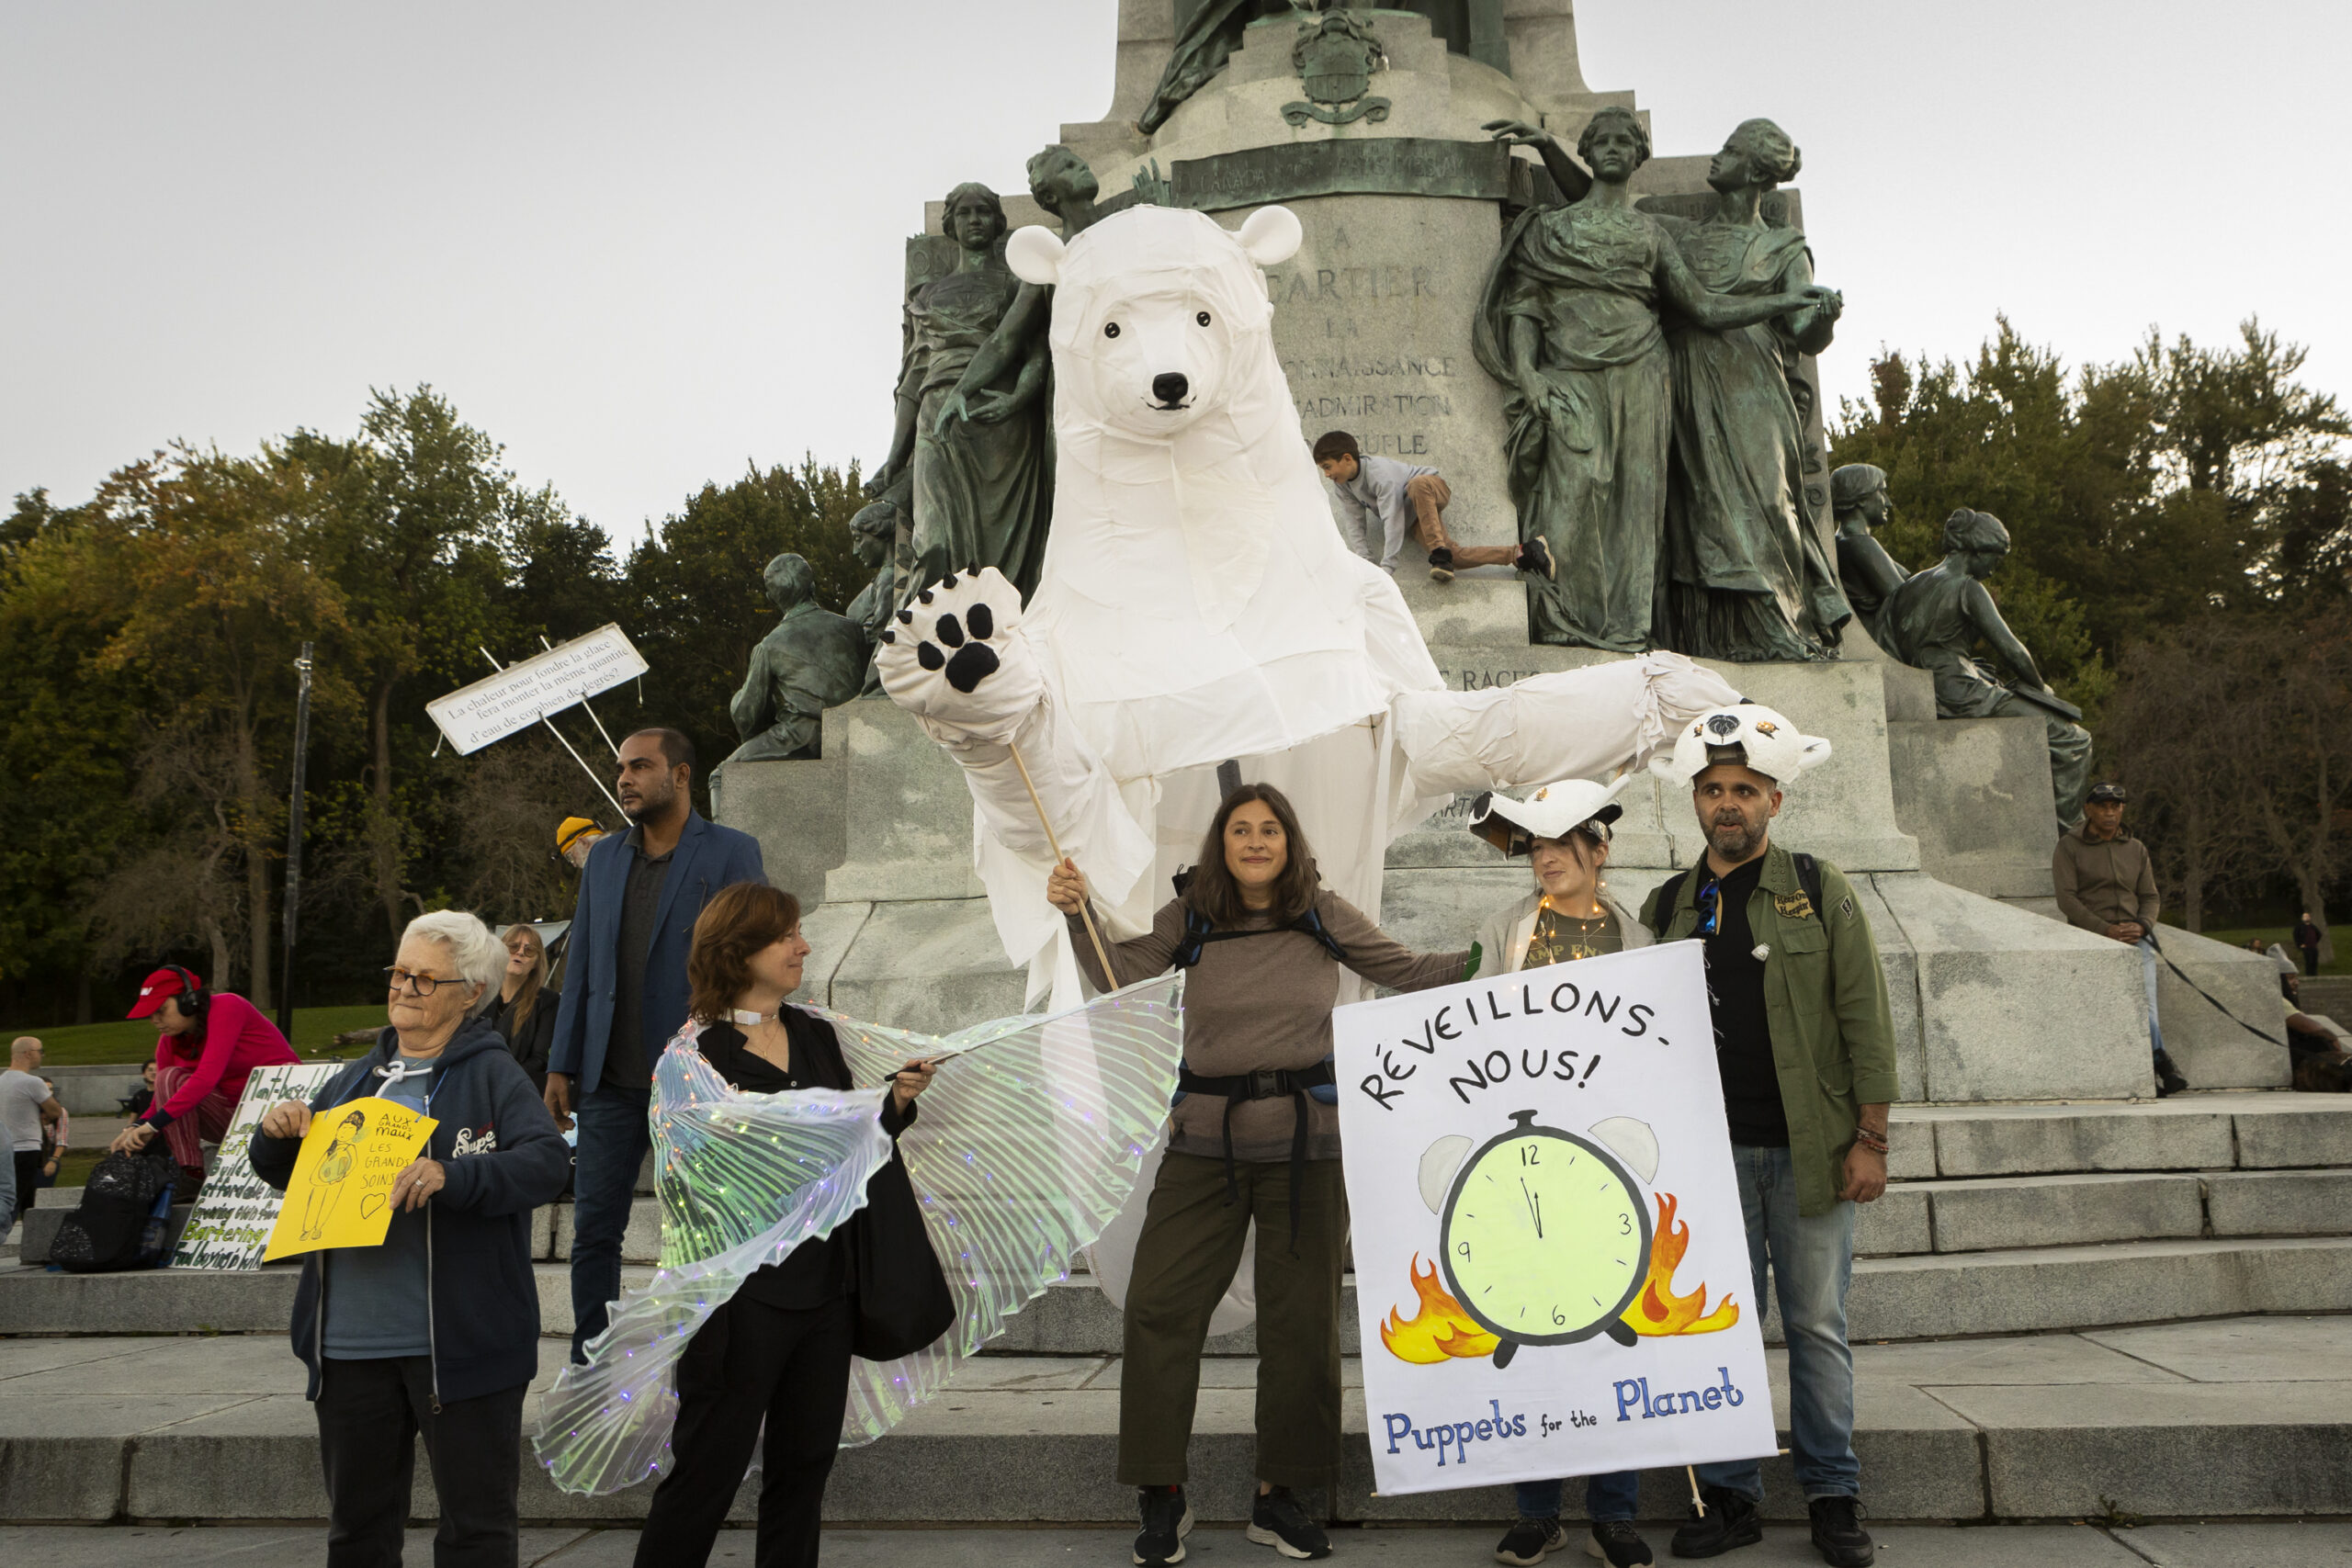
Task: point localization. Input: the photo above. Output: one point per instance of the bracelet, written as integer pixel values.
(1874, 1141)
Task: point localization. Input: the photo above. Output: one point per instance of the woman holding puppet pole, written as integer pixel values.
(1564, 830)
(1255, 1137)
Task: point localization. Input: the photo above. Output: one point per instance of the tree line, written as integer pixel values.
(2183, 527)
(2183, 531)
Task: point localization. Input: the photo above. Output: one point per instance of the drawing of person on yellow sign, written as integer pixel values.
(333, 1169)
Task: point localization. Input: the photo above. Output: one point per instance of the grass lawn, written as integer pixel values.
(86, 1045)
(2279, 934)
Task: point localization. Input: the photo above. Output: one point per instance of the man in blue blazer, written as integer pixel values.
(640, 894)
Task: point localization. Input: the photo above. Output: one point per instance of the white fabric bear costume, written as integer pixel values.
(1197, 607)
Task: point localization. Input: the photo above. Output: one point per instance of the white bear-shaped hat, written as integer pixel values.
(1766, 740)
(1552, 812)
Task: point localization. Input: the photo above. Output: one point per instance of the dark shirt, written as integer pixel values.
(818, 1271)
(529, 1040)
(627, 1059)
(1742, 1031)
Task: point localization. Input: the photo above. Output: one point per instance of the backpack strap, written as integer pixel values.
(1668, 892)
(1809, 878)
(1196, 932)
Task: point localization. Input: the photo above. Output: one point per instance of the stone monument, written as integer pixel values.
(1944, 825)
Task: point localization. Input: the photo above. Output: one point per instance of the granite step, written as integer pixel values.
(2218, 1130)
(2240, 1418)
(1985, 1214)
(34, 1301)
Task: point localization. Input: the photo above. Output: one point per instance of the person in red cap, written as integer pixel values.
(209, 1045)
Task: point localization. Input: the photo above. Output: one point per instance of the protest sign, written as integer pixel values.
(342, 1189)
(1551, 1262)
(230, 1224)
(514, 699)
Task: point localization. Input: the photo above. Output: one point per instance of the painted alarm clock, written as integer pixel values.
(1545, 1238)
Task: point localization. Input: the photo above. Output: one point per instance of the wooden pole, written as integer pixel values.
(1085, 906)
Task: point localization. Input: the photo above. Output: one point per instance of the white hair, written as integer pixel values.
(473, 948)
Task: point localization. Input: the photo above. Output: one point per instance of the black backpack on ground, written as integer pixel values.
(124, 1220)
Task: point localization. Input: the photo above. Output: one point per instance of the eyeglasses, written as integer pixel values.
(400, 979)
(1709, 896)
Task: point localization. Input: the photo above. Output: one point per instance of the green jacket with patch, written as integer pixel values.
(1833, 1037)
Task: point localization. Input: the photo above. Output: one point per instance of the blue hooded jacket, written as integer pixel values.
(504, 1158)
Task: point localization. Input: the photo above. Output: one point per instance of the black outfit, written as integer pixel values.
(369, 1416)
(466, 1396)
(2307, 936)
(29, 1162)
(529, 1041)
(778, 1352)
(626, 1061)
(1742, 1031)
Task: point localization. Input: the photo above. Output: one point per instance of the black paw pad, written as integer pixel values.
(947, 581)
(906, 617)
(930, 658)
(889, 636)
(923, 597)
(950, 631)
(973, 663)
(981, 620)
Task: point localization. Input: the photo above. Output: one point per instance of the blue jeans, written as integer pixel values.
(2148, 976)
(1812, 1263)
(1611, 1496)
(614, 1137)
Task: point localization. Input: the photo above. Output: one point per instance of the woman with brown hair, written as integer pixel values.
(1255, 1137)
(778, 1351)
(523, 1011)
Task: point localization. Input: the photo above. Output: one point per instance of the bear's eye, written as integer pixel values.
(1203, 318)
(1110, 329)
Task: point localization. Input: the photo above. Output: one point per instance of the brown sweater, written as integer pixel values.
(2104, 883)
(1265, 1003)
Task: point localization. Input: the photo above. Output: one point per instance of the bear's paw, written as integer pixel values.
(956, 655)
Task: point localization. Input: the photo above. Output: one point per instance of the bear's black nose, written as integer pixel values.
(1169, 388)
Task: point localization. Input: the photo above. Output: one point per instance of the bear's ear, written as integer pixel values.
(1035, 254)
(1272, 235)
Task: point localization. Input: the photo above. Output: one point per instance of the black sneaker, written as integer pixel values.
(1527, 1541)
(1838, 1536)
(2168, 1079)
(1730, 1520)
(1441, 565)
(1278, 1522)
(1617, 1543)
(1167, 1520)
(1536, 559)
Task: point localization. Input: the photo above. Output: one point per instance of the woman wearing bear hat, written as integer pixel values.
(1562, 829)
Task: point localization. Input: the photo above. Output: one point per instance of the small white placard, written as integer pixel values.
(492, 709)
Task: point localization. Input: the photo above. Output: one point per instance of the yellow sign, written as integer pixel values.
(342, 1192)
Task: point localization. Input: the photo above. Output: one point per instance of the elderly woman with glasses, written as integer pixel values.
(436, 1330)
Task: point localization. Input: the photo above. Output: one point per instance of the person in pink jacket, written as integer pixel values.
(209, 1046)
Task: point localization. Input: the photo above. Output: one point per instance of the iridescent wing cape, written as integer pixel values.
(1028, 1143)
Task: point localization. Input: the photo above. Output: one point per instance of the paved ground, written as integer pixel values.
(2279, 1545)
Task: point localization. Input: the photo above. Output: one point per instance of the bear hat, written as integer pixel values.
(1552, 812)
(1765, 740)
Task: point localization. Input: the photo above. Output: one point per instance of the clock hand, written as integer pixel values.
(1535, 1207)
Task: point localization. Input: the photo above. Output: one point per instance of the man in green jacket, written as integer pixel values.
(1806, 1046)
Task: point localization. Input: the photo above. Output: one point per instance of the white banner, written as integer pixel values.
(230, 1224)
(1550, 1264)
(472, 717)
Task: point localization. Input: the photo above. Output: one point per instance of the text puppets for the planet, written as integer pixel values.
(1551, 1261)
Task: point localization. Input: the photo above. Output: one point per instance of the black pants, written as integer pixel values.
(28, 1164)
(752, 1363)
(2310, 961)
(369, 1416)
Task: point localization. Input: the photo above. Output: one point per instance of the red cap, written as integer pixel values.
(156, 987)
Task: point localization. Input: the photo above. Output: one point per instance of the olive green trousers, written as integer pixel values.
(1185, 1259)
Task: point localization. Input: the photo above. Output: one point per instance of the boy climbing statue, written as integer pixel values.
(1382, 499)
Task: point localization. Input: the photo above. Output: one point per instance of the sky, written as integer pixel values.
(644, 247)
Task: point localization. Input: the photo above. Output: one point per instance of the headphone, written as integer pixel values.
(192, 995)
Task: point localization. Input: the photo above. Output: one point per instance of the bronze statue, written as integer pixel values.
(1933, 620)
(1203, 46)
(1569, 320)
(813, 661)
(1858, 499)
(982, 486)
(1747, 576)
(875, 535)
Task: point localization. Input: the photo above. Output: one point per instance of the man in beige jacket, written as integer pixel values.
(2107, 884)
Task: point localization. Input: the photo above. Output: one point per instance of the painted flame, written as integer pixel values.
(1439, 1330)
(1658, 1310)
